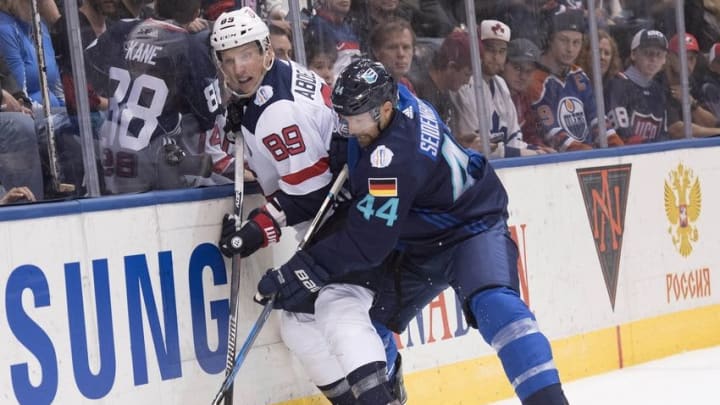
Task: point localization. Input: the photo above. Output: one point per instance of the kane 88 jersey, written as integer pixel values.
(158, 75)
(414, 185)
(287, 127)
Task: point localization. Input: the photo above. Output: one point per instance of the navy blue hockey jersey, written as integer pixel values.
(416, 186)
(105, 51)
(636, 108)
(152, 72)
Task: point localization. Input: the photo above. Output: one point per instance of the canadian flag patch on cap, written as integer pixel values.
(494, 29)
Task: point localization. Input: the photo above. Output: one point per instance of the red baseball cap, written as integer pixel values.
(691, 43)
(455, 48)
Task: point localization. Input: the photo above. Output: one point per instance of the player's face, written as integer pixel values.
(605, 55)
(323, 66)
(649, 61)
(396, 53)
(518, 74)
(361, 126)
(565, 47)
(281, 46)
(494, 53)
(243, 67)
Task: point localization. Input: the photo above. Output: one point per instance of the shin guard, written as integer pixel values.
(369, 384)
(506, 323)
(338, 393)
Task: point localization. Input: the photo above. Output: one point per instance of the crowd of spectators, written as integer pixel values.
(549, 106)
(537, 77)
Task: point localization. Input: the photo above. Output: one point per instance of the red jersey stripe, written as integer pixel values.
(320, 167)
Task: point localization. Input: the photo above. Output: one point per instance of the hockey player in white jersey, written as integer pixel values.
(286, 123)
(286, 118)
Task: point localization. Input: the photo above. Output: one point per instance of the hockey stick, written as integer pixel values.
(235, 276)
(51, 145)
(260, 322)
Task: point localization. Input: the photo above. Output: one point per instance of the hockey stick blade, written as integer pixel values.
(240, 359)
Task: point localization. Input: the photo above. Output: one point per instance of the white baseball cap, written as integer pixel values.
(494, 29)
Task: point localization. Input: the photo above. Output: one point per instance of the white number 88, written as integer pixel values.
(133, 109)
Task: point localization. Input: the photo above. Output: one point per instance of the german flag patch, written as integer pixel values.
(383, 187)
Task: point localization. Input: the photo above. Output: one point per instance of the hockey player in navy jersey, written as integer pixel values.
(286, 118)
(635, 101)
(153, 73)
(415, 190)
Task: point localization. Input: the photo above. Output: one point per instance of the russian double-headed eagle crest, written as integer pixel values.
(683, 200)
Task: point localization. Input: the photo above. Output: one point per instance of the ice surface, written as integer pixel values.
(691, 378)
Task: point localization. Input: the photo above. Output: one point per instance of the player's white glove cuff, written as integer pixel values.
(274, 209)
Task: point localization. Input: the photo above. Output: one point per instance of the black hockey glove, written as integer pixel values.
(338, 153)
(294, 282)
(174, 154)
(260, 230)
(235, 112)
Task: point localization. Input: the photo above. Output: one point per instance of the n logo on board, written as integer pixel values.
(605, 191)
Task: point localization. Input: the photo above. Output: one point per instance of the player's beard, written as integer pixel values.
(363, 127)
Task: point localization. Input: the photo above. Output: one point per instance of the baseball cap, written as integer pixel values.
(494, 29)
(714, 53)
(648, 39)
(691, 43)
(570, 20)
(522, 50)
(455, 48)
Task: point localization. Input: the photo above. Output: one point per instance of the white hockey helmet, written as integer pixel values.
(237, 28)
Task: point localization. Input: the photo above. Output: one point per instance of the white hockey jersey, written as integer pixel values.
(287, 127)
(504, 127)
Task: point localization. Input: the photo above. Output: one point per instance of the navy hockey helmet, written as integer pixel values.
(363, 86)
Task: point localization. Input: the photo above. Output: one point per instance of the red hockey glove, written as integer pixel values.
(260, 230)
